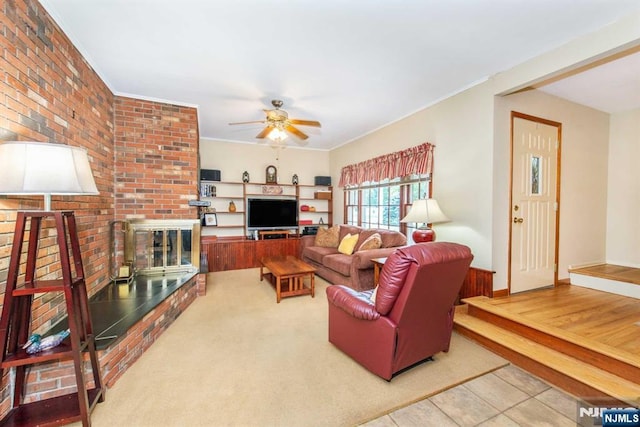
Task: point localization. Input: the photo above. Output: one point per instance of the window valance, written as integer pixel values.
(414, 160)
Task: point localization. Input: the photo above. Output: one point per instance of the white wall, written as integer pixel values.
(459, 128)
(623, 205)
(234, 158)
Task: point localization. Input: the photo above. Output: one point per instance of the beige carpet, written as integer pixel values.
(236, 358)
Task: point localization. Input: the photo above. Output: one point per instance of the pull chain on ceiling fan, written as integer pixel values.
(279, 125)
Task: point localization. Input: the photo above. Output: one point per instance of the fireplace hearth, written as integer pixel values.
(159, 257)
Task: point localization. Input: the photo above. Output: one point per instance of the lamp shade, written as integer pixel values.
(44, 168)
(427, 211)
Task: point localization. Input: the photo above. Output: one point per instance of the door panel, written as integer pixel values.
(533, 204)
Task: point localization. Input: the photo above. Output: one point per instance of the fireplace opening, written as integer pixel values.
(162, 246)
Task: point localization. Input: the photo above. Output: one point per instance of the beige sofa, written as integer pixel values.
(356, 270)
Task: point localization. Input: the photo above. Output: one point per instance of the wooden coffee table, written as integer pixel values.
(287, 274)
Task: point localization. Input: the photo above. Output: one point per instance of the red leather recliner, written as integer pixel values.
(412, 318)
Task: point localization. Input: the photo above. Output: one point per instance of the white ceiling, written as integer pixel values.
(613, 87)
(353, 65)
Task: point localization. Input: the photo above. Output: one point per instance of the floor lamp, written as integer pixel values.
(427, 212)
(33, 168)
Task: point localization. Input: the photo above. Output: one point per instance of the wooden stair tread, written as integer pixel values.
(596, 378)
(483, 303)
(610, 272)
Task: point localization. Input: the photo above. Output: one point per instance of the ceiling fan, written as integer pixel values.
(278, 124)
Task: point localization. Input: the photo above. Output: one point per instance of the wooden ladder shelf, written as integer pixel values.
(16, 321)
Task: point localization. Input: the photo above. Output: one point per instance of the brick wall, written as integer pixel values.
(49, 93)
(156, 160)
(144, 155)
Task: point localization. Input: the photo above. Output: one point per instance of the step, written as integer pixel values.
(551, 365)
(593, 352)
(620, 287)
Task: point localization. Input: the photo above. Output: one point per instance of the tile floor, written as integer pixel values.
(506, 397)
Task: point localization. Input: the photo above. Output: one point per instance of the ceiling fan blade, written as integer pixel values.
(305, 122)
(265, 132)
(296, 132)
(246, 123)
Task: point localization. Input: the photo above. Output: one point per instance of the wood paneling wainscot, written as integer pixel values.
(222, 254)
(478, 282)
(236, 254)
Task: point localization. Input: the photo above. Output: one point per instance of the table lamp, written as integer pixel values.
(426, 211)
(40, 168)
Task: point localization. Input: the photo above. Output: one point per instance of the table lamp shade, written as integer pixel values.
(425, 211)
(44, 168)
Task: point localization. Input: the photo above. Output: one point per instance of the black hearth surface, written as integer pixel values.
(118, 306)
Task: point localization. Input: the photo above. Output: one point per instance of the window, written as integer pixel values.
(535, 176)
(379, 191)
(383, 204)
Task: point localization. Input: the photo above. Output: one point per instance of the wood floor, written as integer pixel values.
(602, 317)
(611, 272)
(583, 340)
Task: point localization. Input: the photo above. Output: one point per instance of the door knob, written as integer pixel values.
(517, 220)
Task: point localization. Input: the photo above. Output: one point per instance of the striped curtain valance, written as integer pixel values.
(415, 160)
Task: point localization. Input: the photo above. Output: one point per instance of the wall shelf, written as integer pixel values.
(234, 223)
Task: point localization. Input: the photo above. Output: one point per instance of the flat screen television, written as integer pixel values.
(270, 214)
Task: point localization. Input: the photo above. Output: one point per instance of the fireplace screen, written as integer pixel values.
(159, 246)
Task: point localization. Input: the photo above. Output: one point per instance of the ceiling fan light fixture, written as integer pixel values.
(278, 126)
(277, 134)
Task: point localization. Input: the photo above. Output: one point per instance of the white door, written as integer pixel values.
(534, 203)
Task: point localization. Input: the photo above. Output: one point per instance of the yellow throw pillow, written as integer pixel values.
(348, 244)
(328, 237)
(372, 242)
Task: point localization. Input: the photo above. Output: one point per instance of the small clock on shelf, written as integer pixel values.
(272, 175)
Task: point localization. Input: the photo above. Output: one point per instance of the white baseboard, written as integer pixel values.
(585, 265)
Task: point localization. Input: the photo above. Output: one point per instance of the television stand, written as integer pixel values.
(273, 234)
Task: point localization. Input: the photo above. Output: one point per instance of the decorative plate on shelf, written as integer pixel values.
(271, 189)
